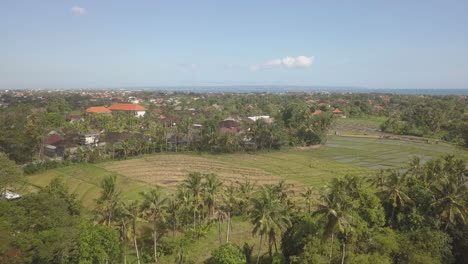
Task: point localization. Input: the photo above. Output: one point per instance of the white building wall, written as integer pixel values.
(140, 113)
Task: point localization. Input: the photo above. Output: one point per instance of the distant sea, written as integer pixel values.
(284, 89)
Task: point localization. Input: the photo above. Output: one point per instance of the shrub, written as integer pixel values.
(227, 254)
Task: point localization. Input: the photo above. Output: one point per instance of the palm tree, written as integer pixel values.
(135, 215)
(245, 190)
(212, 187)
(172, 210)
(283, 191)
(193, 183)
(308, 197)
(378, 180)
(416, 168)
(269, 217)
(230, 199)
(392, 191)
(449, 206)
(334, 209)
(123, 222)
(109, 199)
(154, 207)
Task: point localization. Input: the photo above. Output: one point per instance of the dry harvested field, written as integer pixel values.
(169, 170)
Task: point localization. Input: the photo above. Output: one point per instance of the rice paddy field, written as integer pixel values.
(301, 167)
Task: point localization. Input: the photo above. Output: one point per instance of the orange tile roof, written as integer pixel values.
(127, 107)
(337, 111)
(317, 112)
(98, 109)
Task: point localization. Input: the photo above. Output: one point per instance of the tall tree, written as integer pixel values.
(11, 176)
(109, 199)
(135, 215)
(212, 187)
(154, 208)
(392, 191)
(269, 217)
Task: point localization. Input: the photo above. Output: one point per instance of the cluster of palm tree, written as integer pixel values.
(202, 201)
(444, 178)
(199, 202)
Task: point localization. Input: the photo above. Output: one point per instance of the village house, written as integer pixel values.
(229, 126)
(138, 110)
(338, 113)
(263, 117)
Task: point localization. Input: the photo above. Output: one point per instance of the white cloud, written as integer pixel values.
(286, 62)
(79, 11)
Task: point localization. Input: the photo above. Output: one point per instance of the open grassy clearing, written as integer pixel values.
(369, 126)
(201, 250)
(84, 180)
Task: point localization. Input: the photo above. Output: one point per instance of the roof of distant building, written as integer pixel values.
(127, 107)
(98, 109)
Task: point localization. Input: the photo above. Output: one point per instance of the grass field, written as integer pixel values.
(301, 167)
(369, 125)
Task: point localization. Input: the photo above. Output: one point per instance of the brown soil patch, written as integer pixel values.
(169, 170)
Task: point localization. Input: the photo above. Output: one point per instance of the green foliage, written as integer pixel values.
(11, 176)
(58, 189)
(294, 239)
(425, 246)
(95, 244)
(227, 254)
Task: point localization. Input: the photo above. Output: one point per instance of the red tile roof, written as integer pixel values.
(317, 112)
(231, 130)
(98, 109)
(127, 107)
(53, 139)
(337, 111)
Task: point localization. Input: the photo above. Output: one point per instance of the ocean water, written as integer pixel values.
(284, 89)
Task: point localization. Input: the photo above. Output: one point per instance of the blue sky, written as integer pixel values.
(115, 43)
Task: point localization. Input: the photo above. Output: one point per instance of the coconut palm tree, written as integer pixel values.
(154, 209)
(308, 198)
(449, 206)
(269, 217)
(230, 199)
(123, 222)
(416, 168)
(392, 191)
(193, 183)
(378, 180)
(173, 212)
(109, 199)
(135, 215)
(334, 210)
(212, 187)
(283, 191)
